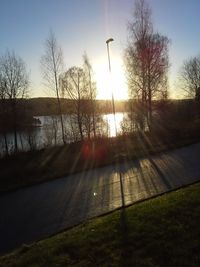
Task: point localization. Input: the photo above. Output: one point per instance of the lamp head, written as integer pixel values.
(109, 40)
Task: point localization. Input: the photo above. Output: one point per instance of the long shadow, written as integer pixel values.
(125, 259)
(146, 143)
(143, 178)
(121, 169)
(124, 238)
(160, 173)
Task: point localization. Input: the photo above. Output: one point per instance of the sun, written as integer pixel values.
(110, 83)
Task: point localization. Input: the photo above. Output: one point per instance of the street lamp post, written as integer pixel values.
(113, 105)
(113, 102)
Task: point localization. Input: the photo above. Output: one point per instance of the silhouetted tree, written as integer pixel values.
(78, 85)
(146, 59)
(74, 87)
(190, 76)
(3, 113)
(14, 82)
(91, 87)
(52, 66)
(197, 95)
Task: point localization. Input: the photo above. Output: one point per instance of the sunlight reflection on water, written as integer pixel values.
(111, 123)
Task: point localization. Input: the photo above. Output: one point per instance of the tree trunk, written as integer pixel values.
(6, 143)
(61, 118)
(80, 127)
(149, 105)
(14, 114)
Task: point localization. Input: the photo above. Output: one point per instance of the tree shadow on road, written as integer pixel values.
(160, 173)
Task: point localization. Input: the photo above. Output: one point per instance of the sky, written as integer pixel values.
(85, 25)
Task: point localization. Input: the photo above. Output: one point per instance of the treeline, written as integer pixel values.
(44, 106)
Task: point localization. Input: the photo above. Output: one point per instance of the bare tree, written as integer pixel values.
(74, 87)
(146, 59)
(14, 80)
(92, 92)
(78, 85)
(3, 113)
(190, 77)
(52, 66)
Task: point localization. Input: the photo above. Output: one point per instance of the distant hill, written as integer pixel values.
(48, 106)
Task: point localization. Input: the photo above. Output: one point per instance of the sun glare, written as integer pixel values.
(108, 84)
(114, 123)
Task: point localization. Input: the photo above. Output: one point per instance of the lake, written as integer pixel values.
(48, 132)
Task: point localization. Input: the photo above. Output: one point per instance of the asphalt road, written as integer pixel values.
(33, 213)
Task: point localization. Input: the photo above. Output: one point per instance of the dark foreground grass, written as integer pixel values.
(164, 231)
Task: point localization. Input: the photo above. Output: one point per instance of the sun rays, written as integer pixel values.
(106, 83)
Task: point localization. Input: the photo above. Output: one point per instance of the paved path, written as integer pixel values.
(33, 213)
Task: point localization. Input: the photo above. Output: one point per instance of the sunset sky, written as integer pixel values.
(85, 25)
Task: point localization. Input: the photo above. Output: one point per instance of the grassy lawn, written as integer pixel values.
(160, 232)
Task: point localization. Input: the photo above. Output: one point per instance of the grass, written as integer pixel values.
(28, 168)
(163, 231)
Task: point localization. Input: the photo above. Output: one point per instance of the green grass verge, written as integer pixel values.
(163, 231)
